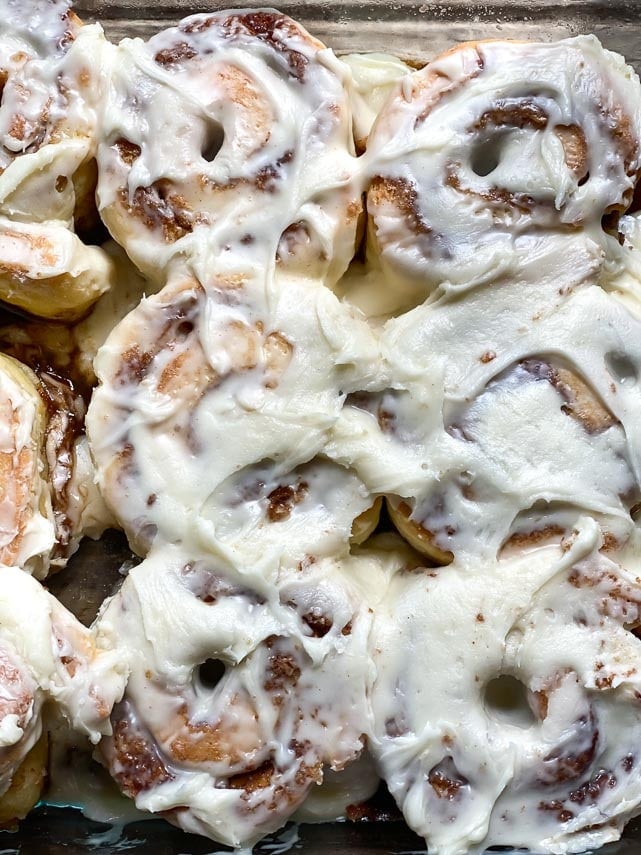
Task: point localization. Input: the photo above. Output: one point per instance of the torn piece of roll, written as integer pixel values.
(27, 526)
(56, 475)
(46, 656)
(50, 80)
(494, 148)
(232, 127)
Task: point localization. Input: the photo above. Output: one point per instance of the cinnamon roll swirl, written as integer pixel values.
(528, 735)
(48, 118)
(501, 410)
(27, 528)
(241, 694)
(196, 428)
(59, 461)
(494, 150)
(245, 142)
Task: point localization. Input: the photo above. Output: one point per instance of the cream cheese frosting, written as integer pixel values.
(233, 128)
(57, 660)
(478, 368)
(257, 355)
(247, 416)
(494, 147)
(51, 72)
(374, 77)
(507, 421)
(527, 731)
(241, 692)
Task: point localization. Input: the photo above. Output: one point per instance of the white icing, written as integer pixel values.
(57, 660)
(374, 76)
(48, 125)
(246, 416)
(257, 355)
(475, 143)
(10, 731)
(472, 769)
(291, 697)
(236, 129)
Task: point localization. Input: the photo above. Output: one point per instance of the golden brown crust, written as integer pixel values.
(575, 147)
(418, 537)
(27, 785)
(581, 402)
(365, 523)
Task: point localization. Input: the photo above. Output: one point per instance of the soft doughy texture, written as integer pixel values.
(241, 692)
(196, 430)
(26, 785)
(62, 359)
(50, 500)
(55, 660)
(232, 128)
(508, 428)
(68, 351)
(27, 526)
(493, 148)
(47, 271)
(50, 70)
(90, 334)
(486, 375)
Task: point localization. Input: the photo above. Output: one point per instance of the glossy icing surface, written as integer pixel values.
(477, 368)
(500, 418)
(51, 79)
(245, 143)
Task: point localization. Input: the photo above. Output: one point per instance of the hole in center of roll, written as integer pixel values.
(621, 367)
(212, 142)
(486, 157)
(210, 673)
(506, 699)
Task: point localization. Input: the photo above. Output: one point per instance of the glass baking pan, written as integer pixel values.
(413, 30)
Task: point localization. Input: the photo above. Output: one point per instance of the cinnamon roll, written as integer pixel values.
(196, 428)
(501, 410)
(50, 91)
(57, 474)
(493, 151)
(46, 656)
(61, 358)
(249, 425)
(233, 128)
(27, 528)
(241, 695)
(528, 735)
